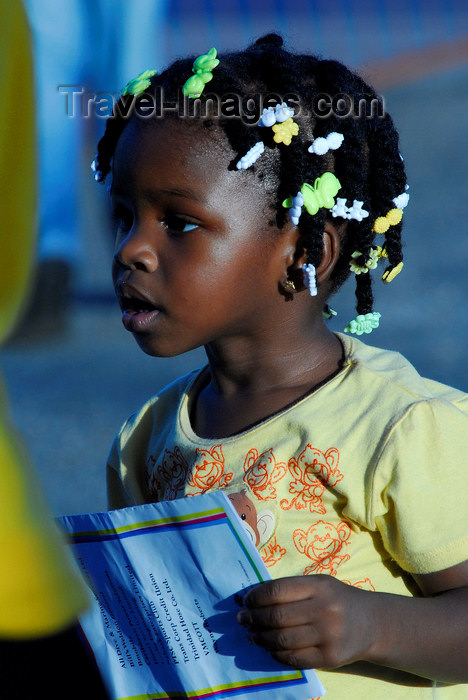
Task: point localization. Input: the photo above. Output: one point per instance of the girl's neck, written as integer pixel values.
(247, 368)
(251, 386)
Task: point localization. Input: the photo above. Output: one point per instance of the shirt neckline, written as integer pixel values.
(183, 414)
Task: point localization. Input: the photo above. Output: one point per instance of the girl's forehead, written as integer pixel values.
(181, 152)
(184, 142)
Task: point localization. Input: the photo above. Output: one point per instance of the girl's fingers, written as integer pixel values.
(310, 657)
(288, 639)
(278, 617)
(282, 590)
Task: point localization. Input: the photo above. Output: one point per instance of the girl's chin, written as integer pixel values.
(155, 348)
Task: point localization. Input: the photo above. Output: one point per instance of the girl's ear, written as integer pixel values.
(330, 251)
(291, 276)
(295, 256)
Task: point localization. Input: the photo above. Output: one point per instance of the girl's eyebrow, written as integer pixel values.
(155, 195)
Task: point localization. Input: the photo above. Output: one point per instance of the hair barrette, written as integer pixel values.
(353, 212)
(295, 210)
(323, 144)
(202, 69)
(310, 279)
(280, 119)
(284, 131)
(391, 218)
(314, 198)
(276, 115)
(139, 84)
(370, 264)
(98, 176)
(363, 323)
(328, 312)
(392, 272)
(402, 200)
(251, 156)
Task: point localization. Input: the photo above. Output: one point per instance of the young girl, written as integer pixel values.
(257, 183)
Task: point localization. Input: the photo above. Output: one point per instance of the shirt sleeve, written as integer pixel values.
(420, 488)
(126, 463)
(116, 494)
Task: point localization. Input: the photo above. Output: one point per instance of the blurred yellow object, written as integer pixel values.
(17, 162)
(41, 592)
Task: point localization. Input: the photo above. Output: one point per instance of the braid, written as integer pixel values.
(114, 127)
(367, 164)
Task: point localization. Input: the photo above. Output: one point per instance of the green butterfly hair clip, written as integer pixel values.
(202, 67)
(313, 198)
(139, 84)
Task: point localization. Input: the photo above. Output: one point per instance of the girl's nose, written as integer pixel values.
(137, 251)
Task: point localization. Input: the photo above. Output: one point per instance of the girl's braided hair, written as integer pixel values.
(368, 163)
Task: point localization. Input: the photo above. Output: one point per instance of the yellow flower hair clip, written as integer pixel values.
(392, 218)
(202, 67)
(370, 264)
(284, 131)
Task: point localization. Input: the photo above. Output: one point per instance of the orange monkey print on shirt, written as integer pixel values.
(262, 472)
(168, 480)
(208, 471)
(312, 472)
(272, 553)
(322, 543)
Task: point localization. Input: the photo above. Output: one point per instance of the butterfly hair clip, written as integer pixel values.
(320, 195)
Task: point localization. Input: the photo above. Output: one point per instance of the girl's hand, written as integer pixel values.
(310, 621)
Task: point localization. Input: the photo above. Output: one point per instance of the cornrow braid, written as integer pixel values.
(114, 127)
(367, 164)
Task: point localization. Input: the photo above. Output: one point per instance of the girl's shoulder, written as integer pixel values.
(383, 372)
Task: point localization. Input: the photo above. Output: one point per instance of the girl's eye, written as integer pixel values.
(179, 224)
(122, 220)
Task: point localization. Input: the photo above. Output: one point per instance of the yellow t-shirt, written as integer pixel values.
(363, 479)
(40, 590)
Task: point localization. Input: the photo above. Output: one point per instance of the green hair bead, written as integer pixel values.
(202, 69)
(363, 323)
(139, 84)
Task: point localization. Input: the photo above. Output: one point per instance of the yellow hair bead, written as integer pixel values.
(284, 131)
(390, 274)
(392, 218)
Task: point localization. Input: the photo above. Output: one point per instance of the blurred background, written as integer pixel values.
(73, 374)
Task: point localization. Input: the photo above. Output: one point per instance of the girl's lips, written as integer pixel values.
(139, 321)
